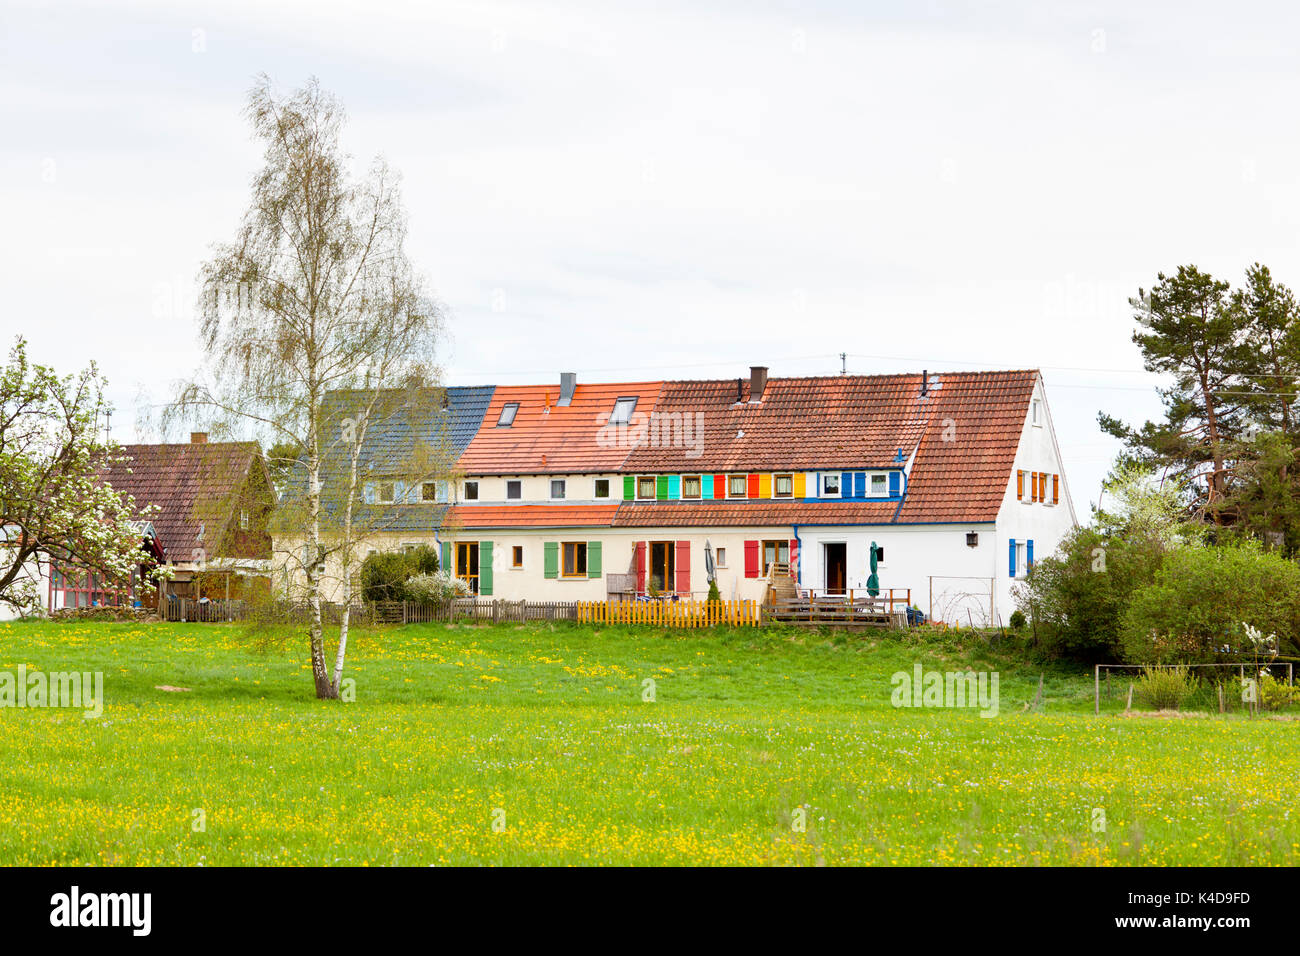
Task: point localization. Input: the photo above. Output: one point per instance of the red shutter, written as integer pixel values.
(639, 551)
(683, 563)
(751, 559)
(753, 486)
(794, 557)
(719, 486)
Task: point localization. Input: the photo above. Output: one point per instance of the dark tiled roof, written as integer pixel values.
(196, 488)
(547, 437)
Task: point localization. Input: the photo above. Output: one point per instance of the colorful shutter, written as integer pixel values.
(661, 487)
(446, 558)
(765, 486)
(720, 489)
(551, 559)
(1029, 554)
(752, 487)
(859, 484)
(751, 559)
(706, 487)
(638, 553)
(674, 487)
(593, 559)
(800, 485)
(683, 566)
(1056, 489)
(629, 487)
(485, 568)
(1011, 559)
(894, 484)
(1020, 486)
(846, 484)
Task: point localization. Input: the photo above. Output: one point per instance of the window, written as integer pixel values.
(434, 491)
(645, 487)
(243, 519)
(557, 487)
(784, 486)
(879, 485)
(623, 409)
(736, 486)
(517, 556)
(775, 552)
(387, 490)
(1037, 414)
(602, 487)
(830, 486)
(508, 412)
(1021, 569)
(663, 576)
(514, 489)
(880, 554)
(471, 491)
(575, 559)
(467, 563)
(721, 561)
(691, 486)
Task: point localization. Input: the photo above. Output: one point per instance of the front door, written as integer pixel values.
(661, 565)
(835, 557)
(467, 563)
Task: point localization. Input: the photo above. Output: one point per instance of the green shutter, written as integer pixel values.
(629, 487)
(446, 558)
(593, 559)
(551, 563)
(485, 568)
(661, 487)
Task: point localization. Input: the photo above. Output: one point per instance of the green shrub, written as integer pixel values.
(1276, 695)
(1017, 620)
(439, 588)
(1192, 612)
(384, 574)
(714, 593)
(1165, 688)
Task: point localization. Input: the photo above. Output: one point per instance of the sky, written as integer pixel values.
(663, 190)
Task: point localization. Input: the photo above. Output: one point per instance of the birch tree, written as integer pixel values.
(314, 299)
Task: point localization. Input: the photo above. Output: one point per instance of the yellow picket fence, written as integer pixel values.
(671, 613)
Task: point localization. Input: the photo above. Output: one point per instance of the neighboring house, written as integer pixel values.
(213, 501)
(577, 491)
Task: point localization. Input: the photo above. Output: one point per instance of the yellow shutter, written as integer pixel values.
(799, 485)
(765, 486)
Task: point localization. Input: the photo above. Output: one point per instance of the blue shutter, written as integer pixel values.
(1029, 554)
(674, 487)
(1011, 559)
(846, 485)
(859, 484)
(893, 484)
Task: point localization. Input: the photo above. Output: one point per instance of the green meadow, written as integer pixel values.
(547, 744)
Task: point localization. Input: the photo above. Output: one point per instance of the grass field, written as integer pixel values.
(544, 731)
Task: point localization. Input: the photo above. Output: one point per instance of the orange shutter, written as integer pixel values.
(1056, 489)
(1020, 485)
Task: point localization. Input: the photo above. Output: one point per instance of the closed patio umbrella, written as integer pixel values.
(709, 568)
(873, 582)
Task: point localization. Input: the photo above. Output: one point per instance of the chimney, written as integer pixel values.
(568, 383)
(757, 382)
(925, 382)
(198, 438)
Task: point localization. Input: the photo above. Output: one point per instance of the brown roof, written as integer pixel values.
(547, 437)
(530, 516)
(753, 513)
(194, 486)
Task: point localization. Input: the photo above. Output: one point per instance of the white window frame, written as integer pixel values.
(468, 496)
(595, 488)
(720, 557)
(837, 493)
(1036, 413)
(871, 484)
(564, 489)
(518, 483)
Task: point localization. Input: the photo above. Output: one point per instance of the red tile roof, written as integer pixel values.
(196, 488)
(547, 437)
(529, 516)
(674, 514)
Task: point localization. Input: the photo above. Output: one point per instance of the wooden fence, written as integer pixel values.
(888, 609)
(671, 613)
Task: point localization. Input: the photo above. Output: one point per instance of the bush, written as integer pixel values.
(714, 593)
(439, 588)
(1275, 695)
(384, 574)
(1077, 596)
(1017, 619)
(1165, 688)
(1193, 611)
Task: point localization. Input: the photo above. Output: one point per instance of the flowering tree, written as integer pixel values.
(53, 507)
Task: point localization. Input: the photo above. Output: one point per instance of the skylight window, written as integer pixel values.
(508, 412)
(623, 409)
